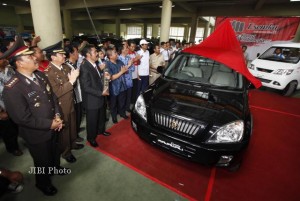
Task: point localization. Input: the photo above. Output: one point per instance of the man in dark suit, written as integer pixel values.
(31, 104)
(93, 99)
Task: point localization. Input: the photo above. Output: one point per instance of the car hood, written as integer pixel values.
(200, 103)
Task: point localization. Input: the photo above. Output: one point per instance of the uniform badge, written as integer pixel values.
(28, 82)
(37, 104)
(48, 87)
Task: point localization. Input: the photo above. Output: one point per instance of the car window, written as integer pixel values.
(201, 70)
(282, 54)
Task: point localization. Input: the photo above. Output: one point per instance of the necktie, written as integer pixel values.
(97, 71)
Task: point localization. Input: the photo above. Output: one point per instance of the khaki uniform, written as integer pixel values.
(63, 89)
(155, 61)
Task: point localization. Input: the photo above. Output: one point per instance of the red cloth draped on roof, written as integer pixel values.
(222, 46)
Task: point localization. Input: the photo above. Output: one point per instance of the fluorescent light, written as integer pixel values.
(4, 4)
(125, 8)
(174, 6)
(294, 0)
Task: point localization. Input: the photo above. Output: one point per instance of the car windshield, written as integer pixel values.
(282, 54)
(200, 70)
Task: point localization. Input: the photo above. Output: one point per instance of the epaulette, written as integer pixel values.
(47, 69)
(12, 82)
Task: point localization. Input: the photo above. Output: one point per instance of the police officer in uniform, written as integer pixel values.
(62, 79)
(31, 104)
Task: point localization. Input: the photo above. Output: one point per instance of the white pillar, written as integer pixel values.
(165, 20)
(207, 25)
(145, 30)
(67, 24)
(155, 28)
(186, 33)
(20, 27)
(118, 28)
(194, 26)
(46, 21)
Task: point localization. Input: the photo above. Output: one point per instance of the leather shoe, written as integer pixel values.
(70, 159)
(79, 139)
(124, 116)
(93, 143)
(78, 146)
(106, 133)
(48, 190)
(114, 120)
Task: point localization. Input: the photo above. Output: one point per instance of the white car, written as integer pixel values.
(279, 67)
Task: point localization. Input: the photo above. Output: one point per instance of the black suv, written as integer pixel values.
(197, 109)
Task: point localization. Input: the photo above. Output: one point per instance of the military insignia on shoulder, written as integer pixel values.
(12, 82)
(47, 69)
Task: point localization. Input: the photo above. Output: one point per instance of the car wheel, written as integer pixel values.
(290, 88)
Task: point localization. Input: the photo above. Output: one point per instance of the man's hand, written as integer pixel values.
(138, 57)
(130, 62)
(73, 76)
(102, 66)
(124, 69)
(35, 41)
(3, 115)
(56, 124)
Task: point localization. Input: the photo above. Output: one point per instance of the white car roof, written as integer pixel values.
(297, 45)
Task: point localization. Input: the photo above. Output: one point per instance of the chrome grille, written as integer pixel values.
(264, 80)
(183, 127)
(264, 70)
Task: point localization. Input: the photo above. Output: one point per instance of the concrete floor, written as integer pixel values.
(94, 177)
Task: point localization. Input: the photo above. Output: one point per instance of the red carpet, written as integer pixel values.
(269, 170)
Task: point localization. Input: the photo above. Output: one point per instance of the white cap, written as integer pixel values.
(143, 41)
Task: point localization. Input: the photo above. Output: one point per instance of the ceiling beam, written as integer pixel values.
(75, 4)
(187, 7)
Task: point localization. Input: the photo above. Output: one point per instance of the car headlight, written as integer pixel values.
(140, 107)
(283, 71)
(252, 66)
(232, 132)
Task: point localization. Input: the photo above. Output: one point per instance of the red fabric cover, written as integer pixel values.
(43, 65)
(222, 46)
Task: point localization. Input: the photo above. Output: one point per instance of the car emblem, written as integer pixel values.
(174, 124)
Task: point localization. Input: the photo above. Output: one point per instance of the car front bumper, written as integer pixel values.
(207, 154)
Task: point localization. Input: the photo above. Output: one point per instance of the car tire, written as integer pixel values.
(290, 88)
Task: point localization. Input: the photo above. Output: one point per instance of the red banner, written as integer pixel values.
(259, 33)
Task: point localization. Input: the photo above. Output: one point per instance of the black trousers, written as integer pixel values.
(95, 122)
(9, 133)
(143, 83)
(134, 90)
(117, 104)
(4, 182)
(128, 99)
(45, 155)
(78, 110)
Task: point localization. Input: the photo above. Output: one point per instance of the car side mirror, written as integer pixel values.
(160, 69)
(258, 54)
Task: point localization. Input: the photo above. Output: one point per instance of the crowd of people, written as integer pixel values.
(44, 94)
